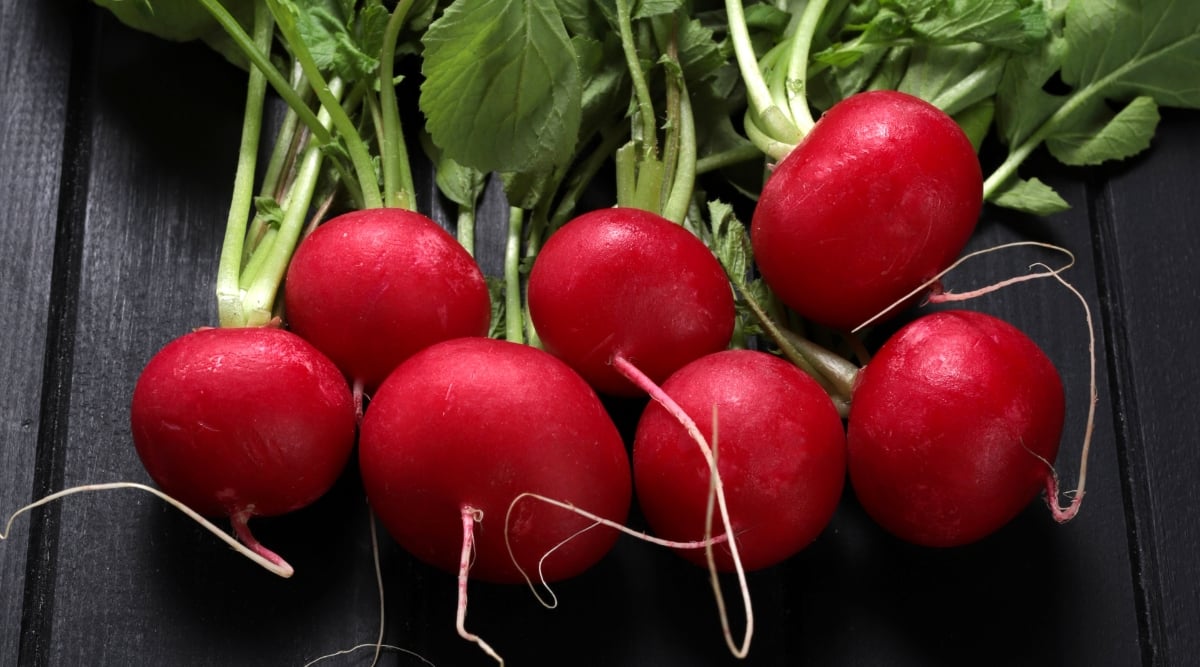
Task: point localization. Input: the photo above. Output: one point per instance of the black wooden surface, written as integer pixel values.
(116, 158)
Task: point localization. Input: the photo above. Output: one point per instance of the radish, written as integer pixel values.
(242, 423)
(953, 428)
(882, 194)
(462, 428)
(371, 287)
(781, 454)
(627, 283)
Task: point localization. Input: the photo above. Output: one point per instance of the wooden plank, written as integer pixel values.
(35, 45)
(1148, 237)
(135, 582)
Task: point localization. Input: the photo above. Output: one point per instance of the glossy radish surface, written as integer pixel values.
(781, 454)
(880, 196)
(953, 427)
(627, 282)
(371, 287)
(473, 423)
(249, 422)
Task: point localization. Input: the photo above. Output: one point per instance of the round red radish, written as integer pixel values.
(881, 195)
(371, 287)
(242, 422)
(953, 428)
(781, 455)
(630, 283)
(470, 424)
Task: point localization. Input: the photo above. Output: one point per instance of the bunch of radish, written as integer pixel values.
(495, 458)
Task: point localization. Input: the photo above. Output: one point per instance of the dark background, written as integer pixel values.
(116, 160)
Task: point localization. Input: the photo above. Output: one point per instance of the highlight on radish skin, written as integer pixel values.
(371, 287)
(782, 457)
(475, 423)
(953, 428)
(630, 283)
(242, 423)
(883, 193)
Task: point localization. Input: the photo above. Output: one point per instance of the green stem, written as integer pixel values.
(684, 180)
(262, 61)
(360, 157)
(277, 253)
(514, 319)
(626, 168)
(583, 174)
(1018, 155)
(229, 295)
(797, 69)
(728, 158)
(641, 89)
(768, 115)
(465, 227)
(398, 187)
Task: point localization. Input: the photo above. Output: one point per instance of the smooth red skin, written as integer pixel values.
(476, 422)
(371, 287)
(781, 455)
(623, 281)
(233, 421)
(944, 426)
(879, 197)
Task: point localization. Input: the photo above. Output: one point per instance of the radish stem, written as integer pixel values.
(229, 294)
(398, 187)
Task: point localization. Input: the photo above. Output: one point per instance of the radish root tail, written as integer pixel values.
(470, 516)
(273, 563)
(635, 375)
(597, 520)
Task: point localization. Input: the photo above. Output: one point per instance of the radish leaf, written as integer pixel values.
(502, 85)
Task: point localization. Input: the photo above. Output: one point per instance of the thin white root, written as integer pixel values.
(267, 559)
(947, 297)
(1064, 514)
(636, 376)
(469, 516)
(354, 649)
(378, 584)
(597, 521)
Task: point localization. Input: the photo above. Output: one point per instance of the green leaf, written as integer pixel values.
(648, 8)
(976, 121)
(731, 242)
(1136, 47)
(268, 211)
(700, 54)
(496, 288)
(184, 21)
(1104, 135)
(1000, 23)
(954, 77)
(502, 85)
(1030, 196)
(1107, 53)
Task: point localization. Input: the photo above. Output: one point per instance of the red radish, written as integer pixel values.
(626, 282)
(462, 428)
(371, 287)
(953, 428)
(242, 422)
(879, 196)
(781, 453)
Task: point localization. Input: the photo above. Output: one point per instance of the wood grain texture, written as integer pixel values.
(35, 45)
(132, 222)
(1147, 235)
(135, 582)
